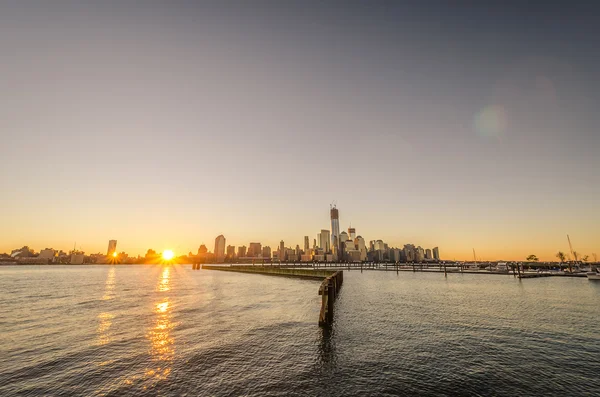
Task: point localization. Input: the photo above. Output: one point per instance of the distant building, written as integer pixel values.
(230, 251)
(112, 247)
(255, 250)
(335, 230)
(395, 255)
(291, 255)
(379, 246)
(24, 252)
(281, 251)
(220, 248)
(420, 254)
(77, 257)
(324, 240)
(349, 245)
(352, 233)
(359, 242)
(306, 245)
(202, 250)
(47, 253)
(241, 251)
(428, 254)
(266, 252)
(409, 253)
(306, 258)
(353, 256)
(436, 253)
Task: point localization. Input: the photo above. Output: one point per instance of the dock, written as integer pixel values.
(328, 290)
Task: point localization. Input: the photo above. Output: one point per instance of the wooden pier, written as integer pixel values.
(329, 288)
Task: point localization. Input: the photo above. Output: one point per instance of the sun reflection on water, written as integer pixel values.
(161, 341)
(164, 282)
(105, 318)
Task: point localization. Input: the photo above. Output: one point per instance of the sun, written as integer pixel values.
(168, 255)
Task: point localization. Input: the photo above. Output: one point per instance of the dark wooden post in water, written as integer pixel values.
(329, 291)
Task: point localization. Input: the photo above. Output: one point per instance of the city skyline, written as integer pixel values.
(327, 242)
(165, 125)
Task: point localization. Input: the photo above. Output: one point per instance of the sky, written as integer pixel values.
(164, 124)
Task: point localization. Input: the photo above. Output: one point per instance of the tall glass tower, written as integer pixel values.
(335, 230)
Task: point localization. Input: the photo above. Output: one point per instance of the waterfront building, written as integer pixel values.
(409, 253)
(306, 258)
(255, 250)
(306, 245)
(24, 252)
(335, 230)
(230, 251)
(379, 246)
(428, 254)
(319, 258)
(395, 255)
(112, 247)
(202, 250)
(353, 256)
(352, 233)
(314, 244)
(266, 252)
(297, 251)
(330, 257)
(77, 257)
(241, 251)
(281, 251)
(219, 248)
(349, 245)
(324, 240)
(359, 242)
(436, 253)
(343, 239)
(291, 255)
(420, 254)
(47, 253)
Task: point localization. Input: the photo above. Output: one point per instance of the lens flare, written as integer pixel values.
(491, 122)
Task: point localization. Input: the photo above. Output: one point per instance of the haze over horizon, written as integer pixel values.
(164, 125)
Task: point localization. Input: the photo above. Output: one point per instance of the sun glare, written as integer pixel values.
(114, 254)
(168, 255)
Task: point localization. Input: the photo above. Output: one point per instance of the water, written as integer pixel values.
(153, 330)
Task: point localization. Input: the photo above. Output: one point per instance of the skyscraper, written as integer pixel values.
(230, 251)
(112, 247)
(242, 251)
(282, 251)
(255, 250)
(220, 248)
(436, 253)
(428, 254)
(352, 233)
(335, 230)
(306, 245)
(266, 252)
(324, 241)
(360, 245)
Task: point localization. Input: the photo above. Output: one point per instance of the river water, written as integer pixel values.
(169, 330)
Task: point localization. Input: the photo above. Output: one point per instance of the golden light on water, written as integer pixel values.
(163, 285)
(168, 255)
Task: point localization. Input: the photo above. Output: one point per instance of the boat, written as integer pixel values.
(594, 275)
